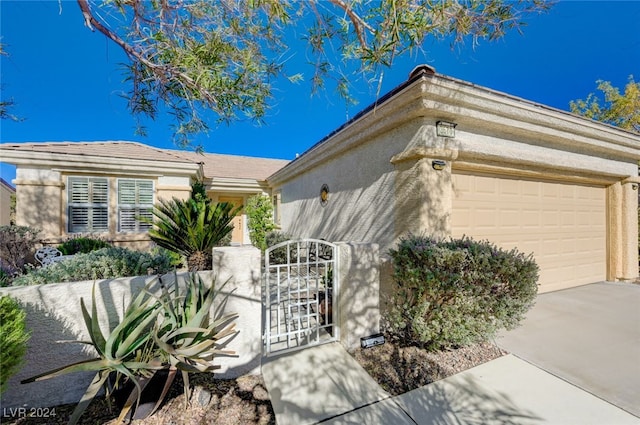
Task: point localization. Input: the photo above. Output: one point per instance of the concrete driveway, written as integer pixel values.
(589, 336)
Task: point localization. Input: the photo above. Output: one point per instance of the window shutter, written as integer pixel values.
(135, 200)
(88, 204)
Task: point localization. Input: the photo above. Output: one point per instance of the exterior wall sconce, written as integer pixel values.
(324, 195)
(634, 186)
(446, 129)
(438, 165)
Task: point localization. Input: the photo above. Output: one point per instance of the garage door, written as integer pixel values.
(563, 225)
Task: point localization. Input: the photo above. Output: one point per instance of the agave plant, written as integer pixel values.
(192, 228)
(186, 334)
(169, 331)
(128, 350)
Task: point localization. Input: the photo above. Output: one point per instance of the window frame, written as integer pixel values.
(139, 208)
(91, 205)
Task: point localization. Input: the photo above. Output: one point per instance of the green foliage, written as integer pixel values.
(100, 264)
(458, 292)
(207, 57)
(259, 212)
(199, 192)
(279, 255)
(192, 228)
(17, 244)
(170, 331)
(82, 245)
(186, 335)
(13, 339)
(621, 110)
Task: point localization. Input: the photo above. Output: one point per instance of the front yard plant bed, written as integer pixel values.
(241, 401)
(400, 369)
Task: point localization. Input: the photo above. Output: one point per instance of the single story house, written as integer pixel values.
(69, 188)
(445, 157)
(6, 194)
(436, 156)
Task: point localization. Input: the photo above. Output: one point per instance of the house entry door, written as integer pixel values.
(301, 286)
(237, 235)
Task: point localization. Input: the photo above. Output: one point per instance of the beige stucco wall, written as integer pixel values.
(42, 198)
(383, 185)
(5, 204)
(54, 314)
(361, 203)
(39, 200)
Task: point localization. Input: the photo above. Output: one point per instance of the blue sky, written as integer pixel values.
(66, 80)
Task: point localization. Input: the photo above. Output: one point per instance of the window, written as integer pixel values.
(88, 204)
(135, 200)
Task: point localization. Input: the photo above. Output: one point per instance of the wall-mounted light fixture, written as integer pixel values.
(438, 165)
(634, 186)
(324, 195)
(446, 129)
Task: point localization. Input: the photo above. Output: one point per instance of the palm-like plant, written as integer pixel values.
(192, 228)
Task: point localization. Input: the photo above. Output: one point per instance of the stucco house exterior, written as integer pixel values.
(436, 156)
(445, 157)
(70, 188)
(6, 193)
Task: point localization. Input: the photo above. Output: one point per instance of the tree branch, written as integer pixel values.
(358, 22)
(160, 71)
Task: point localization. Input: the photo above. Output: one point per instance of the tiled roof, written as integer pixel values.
(214, 165)
(129, 150)
(242, 167)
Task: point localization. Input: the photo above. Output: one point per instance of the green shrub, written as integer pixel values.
(279, 255)
(82, 245)
(13, 339)
(104, 263)
(259, 212)
(17, 244)
(454, 293)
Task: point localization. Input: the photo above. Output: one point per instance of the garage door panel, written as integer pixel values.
(564, 226)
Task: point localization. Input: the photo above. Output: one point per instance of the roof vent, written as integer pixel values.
(422, 70)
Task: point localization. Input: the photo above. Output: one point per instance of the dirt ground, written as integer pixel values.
(245, 400)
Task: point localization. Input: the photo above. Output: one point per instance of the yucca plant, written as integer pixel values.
(192, 228)
(169, 331)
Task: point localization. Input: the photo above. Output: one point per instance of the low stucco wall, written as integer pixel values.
(359, 297)
(54, 314)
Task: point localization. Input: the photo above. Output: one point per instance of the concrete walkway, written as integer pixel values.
(325, 384)
(588, 336)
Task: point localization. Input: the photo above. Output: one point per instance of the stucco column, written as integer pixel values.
(39, 201)
(359, 298)
(423, 186)
(623, 230)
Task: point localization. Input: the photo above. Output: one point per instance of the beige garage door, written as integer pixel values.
(563, 225)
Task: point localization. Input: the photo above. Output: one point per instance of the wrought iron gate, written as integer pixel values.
(300, 289)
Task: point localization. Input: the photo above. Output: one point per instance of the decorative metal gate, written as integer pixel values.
(300, 289)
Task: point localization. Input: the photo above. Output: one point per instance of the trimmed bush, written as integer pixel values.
(454, 293)
(82, 245)
(101, 264)
(13, 339)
